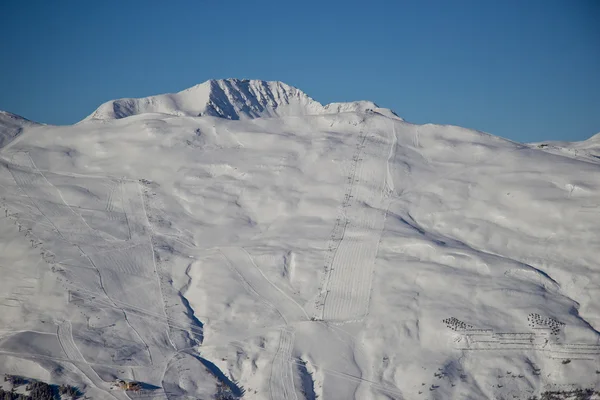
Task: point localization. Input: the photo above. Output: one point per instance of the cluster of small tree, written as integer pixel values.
(224, 392)
(15, 380)
(40, 391)
(577, 394)
(37, 390)
(69, 391)
(8, 395)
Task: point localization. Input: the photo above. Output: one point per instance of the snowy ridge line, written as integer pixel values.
(232, 99)
(576, 154)
(281, 380)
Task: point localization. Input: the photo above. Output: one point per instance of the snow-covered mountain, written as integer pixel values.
(229, 98)
(238, 239)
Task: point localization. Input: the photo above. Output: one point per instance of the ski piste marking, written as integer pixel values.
(65, 338)
(348, 287)
(337, 233)
(71, 227)
(250, 288)
(253, 276)
(298, 361)
(147, 221)
(281, 381)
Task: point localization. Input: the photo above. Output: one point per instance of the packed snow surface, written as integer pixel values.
(240, 239)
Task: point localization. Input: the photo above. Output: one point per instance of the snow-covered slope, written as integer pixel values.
(11, 126)
(587, 149)
(340, 253)
(232, 99)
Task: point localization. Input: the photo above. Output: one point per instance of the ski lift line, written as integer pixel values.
(123, 197)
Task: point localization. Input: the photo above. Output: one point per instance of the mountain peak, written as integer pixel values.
(231, 99)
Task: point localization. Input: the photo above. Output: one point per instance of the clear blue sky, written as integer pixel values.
(528, 70)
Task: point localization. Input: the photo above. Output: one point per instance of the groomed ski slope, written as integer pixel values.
(295, 251)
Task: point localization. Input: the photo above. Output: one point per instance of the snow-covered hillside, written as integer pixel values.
(587, 149)
(11, 126)
(240, 238)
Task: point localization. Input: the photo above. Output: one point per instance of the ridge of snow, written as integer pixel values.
(594, 140)
(588, 149)
(11, 126)
(231, 99)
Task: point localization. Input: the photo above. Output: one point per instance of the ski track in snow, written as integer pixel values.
(348, 282)
(65, 337)
(281, 382)
(328, 371)
(273, 297)
(118, 267)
